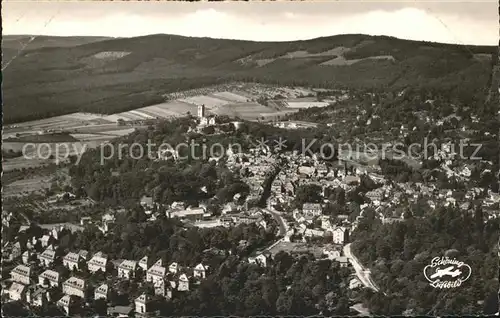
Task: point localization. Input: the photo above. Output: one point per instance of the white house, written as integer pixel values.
(65, 304)
(313, 233)
(141, 304)
(16, 291)
(344, 261)
(163, 289)
(159, 262)
(331, 253)
(101, 292)
(45, 240)
(35, 296)
(260, 260)
(143, 263)
(340, 235)
(97, 262)
(74, 286)
(21, 274)
(51, 276)
(126, 269)
(155, 273)
(26, 257)
(326, 225)
(173, 268)
(84, 254)
(355, 283)
(200, 271)
(313, 209)
(71, 261)
(47, 257)
(183, 283)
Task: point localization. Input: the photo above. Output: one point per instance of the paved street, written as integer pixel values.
(362, 273)
(277, 216)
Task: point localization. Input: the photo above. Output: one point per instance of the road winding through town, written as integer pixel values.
(362, 273)
(277, 216)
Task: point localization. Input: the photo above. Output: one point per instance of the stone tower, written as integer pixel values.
(201, 111)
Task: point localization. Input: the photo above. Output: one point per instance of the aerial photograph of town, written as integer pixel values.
(167, 159)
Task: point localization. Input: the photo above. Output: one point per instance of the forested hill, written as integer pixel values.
(118, 74)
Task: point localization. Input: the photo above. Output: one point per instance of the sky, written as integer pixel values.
(461, 22)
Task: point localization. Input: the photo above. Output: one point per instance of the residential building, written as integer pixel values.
(126, 269)
(155, 273)
(16, 291)
(141, 304)
(260, 260)
(313, 233)
(183, 283)
(350, 180)
(200, 271)
(230, 208)
(71, 261)
(84, 254)
(313, 209)
(26, 257)
(326, 224)
(159, 262)
(355, 283)
(16, 251)
(173, 268)
(120, 311)
(144, 263)
(74, 286)
(35, 296)
(340, 235)
(147, 203)
(65, 303)
(195, 214)
(47, 257)
(343, 260)
(331, 253)
(163, 288)
(85, 220)
(101, 292)
(49, 278)
(306, 171)
(97, 262)
(375, 196)
(45, 240)
(21, 274)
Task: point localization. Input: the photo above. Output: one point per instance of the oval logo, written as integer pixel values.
(444, 272)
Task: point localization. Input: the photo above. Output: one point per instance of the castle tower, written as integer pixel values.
(201, 111)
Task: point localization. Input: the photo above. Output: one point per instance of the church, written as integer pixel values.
(204, 120)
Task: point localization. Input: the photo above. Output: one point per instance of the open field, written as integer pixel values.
(26, 186)
(300, 105)
(70, 134)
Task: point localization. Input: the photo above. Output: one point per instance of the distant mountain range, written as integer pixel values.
(57, 75)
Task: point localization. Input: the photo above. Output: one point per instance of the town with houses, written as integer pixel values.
(34, 279)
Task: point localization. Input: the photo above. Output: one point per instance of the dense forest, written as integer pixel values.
(50, 81)
(398, 252)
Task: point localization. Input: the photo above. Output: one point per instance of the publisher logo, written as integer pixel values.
(444, 272)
